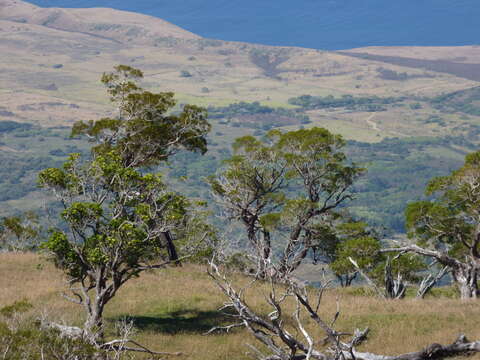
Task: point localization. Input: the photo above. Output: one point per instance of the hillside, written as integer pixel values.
(118, 26)
(58, 54)
(52, 59)
(337, 24)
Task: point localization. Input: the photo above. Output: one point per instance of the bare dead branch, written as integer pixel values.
(367, 278)
(224, 328)
(429, 282)
(120, 345)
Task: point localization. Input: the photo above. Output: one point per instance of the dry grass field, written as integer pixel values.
(172, 308)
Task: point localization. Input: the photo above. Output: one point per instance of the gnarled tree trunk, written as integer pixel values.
(467, 279)
(465, 274)
(94, 324)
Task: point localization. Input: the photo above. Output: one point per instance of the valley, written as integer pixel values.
(422, 103)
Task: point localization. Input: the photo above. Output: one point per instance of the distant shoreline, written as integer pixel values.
(329, 25)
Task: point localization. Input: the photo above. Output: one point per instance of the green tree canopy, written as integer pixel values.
(18, 233)
(290, 184)
(144, 131)
(447, 228)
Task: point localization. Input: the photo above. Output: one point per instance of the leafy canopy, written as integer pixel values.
(116, 215)
(452, 219)
(290, 183)
(144, 131)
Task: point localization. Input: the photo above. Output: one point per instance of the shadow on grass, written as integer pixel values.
(184, 321)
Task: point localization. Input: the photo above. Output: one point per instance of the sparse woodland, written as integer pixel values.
(125, 240)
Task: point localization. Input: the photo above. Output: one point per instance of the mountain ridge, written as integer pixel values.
(120, 26)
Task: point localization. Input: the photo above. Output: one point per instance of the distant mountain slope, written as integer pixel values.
(320, 24)
(56, 55)
(112, 24)
(461, 69)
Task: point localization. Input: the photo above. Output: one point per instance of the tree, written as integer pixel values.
(291, 184)
(361, 255)
(19, 233)
(405, 266)
(349, 239)
(145, 132)
(447, 228)
(353, 248)
(120, 219)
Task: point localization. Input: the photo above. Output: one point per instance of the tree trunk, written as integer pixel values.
(429, 282)
(265, 251)
(94, 323)
(346, 280)
(394, 289)
(349, 278)
(468, 290)
(467, 280)
(172, 250)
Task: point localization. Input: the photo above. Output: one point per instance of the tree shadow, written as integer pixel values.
(183, 321)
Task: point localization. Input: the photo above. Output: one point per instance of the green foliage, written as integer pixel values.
(451, 219)
(381, 195)
(120, 231)
(364, 250)
(145, 131)
(352, 239)
(407, 265)
(355, 240)
(25, 151)
(450, 292)
(119, 218)
(257, 116)
(20, 306)
(388, 186)
(372, 103)
(289, 184)
(465, 101)
(18, 233)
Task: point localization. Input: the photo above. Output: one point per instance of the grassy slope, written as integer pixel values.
(230, 71)
(173, 307)
(32, 54)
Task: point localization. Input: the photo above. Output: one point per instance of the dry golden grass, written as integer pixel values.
(30, 53)
(173, 307)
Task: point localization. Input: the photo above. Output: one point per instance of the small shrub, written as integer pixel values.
(185, 74)
(17, 307)
(450, 292)
(23, 337)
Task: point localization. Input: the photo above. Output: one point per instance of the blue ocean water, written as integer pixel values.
(320, 24)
